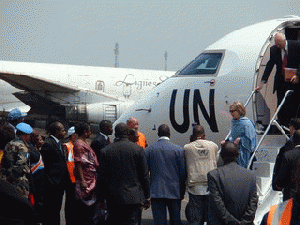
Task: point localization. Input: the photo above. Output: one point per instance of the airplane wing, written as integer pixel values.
(51, 98)
(31, 83)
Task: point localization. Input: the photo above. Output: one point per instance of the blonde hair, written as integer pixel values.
(239, 107)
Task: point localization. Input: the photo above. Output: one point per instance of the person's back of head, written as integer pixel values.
(198, 133)
(81, 128)
(294, 125)
(133, 135)
(296, 137)
(105, 127)
(121, 130)
(229, 152)
(163, 131)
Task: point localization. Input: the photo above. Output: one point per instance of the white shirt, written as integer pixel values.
(164, 137)
(282, 50)
(55, 138)
(105, 136)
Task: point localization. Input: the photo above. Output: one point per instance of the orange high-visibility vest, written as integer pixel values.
(70, 160)
(142, 140)
(281, 214)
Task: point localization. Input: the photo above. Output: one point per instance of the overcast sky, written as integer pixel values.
(86, 32)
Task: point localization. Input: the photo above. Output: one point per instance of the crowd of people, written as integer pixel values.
(113, 181)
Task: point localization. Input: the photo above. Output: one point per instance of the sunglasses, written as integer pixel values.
(232, 110)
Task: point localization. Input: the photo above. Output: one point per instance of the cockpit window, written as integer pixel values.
(205, 63)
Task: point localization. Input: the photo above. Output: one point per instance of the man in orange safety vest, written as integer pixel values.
(70, 197)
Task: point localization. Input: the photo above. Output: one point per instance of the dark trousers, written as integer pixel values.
(123, 214)
(52, 204)
(196, 209)
(83, 213)
(291, 106)
(70, 204)
(159, 209)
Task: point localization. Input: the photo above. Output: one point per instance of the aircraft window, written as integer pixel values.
(99, 86)
(205, 63)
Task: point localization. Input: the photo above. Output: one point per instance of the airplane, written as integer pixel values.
(201, 93)
(8, 101)
(72, 92)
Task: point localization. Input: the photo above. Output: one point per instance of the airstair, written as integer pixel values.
(265, 153)
(263, 168)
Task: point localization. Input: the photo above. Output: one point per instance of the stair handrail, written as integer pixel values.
(269, 126)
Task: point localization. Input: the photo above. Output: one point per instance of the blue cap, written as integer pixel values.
(16, 114)
(71, 131)
(25, 128)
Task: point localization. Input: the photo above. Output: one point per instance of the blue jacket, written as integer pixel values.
(166, 162)
(244, 129)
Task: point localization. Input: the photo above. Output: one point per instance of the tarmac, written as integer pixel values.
(147, 217)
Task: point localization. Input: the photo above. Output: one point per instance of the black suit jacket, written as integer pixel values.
(285, 173)
(123, 174)
(15, 208)
(233, 195)
(289, 145)
(293, 61)
(98, 143)
(55, 162)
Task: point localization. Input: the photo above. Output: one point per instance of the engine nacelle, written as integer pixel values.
(97, 112)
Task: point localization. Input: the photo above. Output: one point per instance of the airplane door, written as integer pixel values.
(265, 100)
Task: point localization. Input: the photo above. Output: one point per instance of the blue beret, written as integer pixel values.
(25, 128)
(15, 114)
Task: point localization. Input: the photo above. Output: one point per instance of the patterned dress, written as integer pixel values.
(85, 155)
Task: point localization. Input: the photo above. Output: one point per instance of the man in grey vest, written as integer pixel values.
(201, 157)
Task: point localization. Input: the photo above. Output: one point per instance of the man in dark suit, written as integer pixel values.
(284, 54)
(102, 139)
(167, 167)
(289, 145)
(233, 195)
(56, 171)
(15, 208)
(124, 179)
(284, 179)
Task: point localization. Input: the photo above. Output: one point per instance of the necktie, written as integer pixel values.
(108, 140)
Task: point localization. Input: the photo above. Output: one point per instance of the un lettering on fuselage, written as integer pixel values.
(197, 103)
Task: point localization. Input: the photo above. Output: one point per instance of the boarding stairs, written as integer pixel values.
(265, 153)
(263, 168)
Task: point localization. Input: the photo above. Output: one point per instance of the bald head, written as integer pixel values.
(280, 40)
(133, 123)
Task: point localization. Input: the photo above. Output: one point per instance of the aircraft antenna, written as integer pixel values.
(166, 59)
(116, 50)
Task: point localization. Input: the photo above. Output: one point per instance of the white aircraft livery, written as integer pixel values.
(201, 93)
(71, 92)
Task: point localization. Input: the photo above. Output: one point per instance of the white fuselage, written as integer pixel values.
(119, 82)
